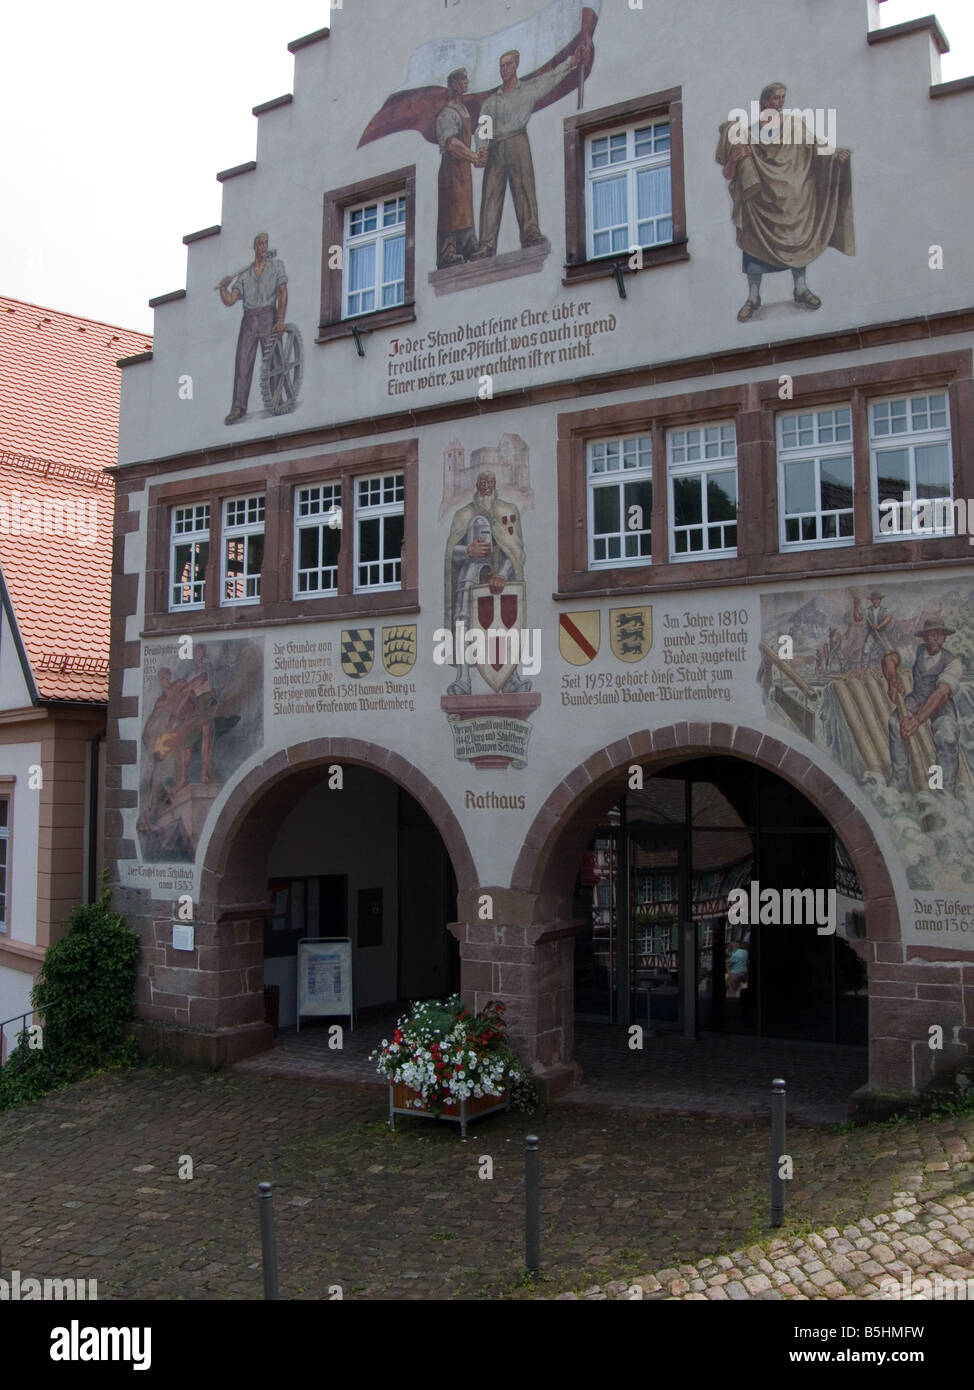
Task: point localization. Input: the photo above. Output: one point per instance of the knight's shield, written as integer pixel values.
(496, 621)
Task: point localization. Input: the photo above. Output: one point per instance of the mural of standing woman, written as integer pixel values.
(791, 193)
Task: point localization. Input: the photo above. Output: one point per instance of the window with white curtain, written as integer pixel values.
(375, 255)
(628, 189)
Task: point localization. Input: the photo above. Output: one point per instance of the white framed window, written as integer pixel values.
(620, 502)
(375, 255)
(4, 861)
(188, 556)
(379, 531)
(317, 539)
(910, 465)
(701, 467)
(815, 478)
(628, 189)
(243, 549)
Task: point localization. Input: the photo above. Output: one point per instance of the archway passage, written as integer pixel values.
(319, 842)
(717, 898)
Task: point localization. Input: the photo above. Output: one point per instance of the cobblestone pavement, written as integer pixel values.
(91, 1187)
(925, 1248)
(720, 1075)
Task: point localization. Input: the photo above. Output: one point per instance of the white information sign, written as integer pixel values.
(324, 977)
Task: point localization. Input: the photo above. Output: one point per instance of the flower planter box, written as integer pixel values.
(402, 1101)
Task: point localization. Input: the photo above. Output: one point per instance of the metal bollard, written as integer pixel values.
(268, 1240)
(532, 1206)
(778, 1101)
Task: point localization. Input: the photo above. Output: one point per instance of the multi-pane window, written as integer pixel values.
(379, 531)
(620, 488)
(189, 554)
(815, 478)
(4, 858)
(909, 442)
(629, 193)
(702, 472)
(375, 255)
(317, 523)
(243, 549)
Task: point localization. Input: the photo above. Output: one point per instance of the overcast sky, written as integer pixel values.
(117, 115)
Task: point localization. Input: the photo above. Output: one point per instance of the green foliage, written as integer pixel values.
(84, 992)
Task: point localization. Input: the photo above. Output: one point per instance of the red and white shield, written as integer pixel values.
(501, 619)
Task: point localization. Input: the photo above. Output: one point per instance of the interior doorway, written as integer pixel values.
(657, 940)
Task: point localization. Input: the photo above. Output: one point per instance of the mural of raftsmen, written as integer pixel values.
(878, 620)
(485, 546)
(937, 674)
(792, 200)
(263, 288)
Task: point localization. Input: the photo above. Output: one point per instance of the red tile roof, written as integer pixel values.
(59, 393)
(59, 385)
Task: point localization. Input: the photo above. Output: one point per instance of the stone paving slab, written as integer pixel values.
(91, 1184)
(923, 1250)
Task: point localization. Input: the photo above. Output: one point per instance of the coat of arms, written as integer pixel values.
(399, 649)
(500, 618)
(358, 651)
(631, 632)
(578, 636)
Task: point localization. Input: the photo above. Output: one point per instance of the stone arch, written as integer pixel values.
(546, 865)
(238, 842)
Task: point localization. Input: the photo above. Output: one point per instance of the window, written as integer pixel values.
(629, 200)
(243, 549)
(317, 523)
(702, 472)
(909, 442)
(620, 488)
(624, 185)
(379, 531)
(189, 554)
(368, 255)
(4, 858)
(815, 478)
(375, 256)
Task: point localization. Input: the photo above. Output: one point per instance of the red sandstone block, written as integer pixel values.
(889, 952)
(476, 974)
(892, 989)
(517, 980)
(952, 994)
(916, 974)
(203, 1012)
(891, 1063)
(909, 1018)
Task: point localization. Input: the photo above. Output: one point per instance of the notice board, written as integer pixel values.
(325, 978)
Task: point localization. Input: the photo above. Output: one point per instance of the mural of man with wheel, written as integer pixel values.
(263, 288)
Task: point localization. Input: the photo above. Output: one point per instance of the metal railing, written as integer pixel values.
(22, 1018)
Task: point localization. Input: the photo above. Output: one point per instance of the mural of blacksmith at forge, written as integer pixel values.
(203, 717)
(883, 678)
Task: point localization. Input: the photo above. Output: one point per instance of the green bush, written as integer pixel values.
(85, 993)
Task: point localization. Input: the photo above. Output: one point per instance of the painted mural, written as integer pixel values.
(486, 638)
(791, 193)
(261, 285)
(203, 717)
(452, 98)
(883, 678)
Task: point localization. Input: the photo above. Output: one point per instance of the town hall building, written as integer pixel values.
(543, 539)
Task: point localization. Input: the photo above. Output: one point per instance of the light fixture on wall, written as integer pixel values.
(359, 340)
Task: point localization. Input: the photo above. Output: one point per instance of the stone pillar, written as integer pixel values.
(528, 965)
(206, 1005)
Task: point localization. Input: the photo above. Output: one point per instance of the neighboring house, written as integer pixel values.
(58, 433)
(534, 331)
